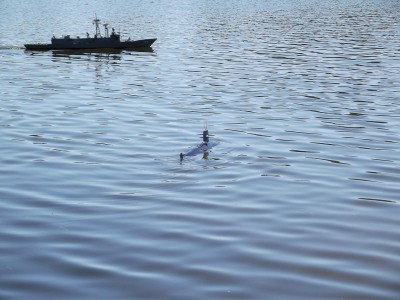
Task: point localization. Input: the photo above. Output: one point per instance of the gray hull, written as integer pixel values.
(90, 43)
(201, 148)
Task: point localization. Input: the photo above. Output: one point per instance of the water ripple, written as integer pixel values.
(299, 199)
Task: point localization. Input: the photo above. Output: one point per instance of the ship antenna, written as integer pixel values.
(97, 22)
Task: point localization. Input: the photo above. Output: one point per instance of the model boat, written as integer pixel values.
(108, 41)
(203, 147)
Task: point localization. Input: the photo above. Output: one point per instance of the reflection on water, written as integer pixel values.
(106, 52)
(299, 199)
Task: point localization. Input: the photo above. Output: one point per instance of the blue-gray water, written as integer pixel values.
(300, 199)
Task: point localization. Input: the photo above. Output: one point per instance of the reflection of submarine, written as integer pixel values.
(201, 148)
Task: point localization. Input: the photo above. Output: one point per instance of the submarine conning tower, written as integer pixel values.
(205, 136)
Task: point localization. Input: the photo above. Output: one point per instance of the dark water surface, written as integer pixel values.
(300, 198)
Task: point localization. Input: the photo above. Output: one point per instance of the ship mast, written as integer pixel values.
(97, 22)
(106, 29)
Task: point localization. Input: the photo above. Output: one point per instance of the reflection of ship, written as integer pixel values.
(105, 51)
(112, 41)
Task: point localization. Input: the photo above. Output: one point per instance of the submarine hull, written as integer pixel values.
(201, 148)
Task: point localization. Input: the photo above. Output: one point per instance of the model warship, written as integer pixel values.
(108, 41)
